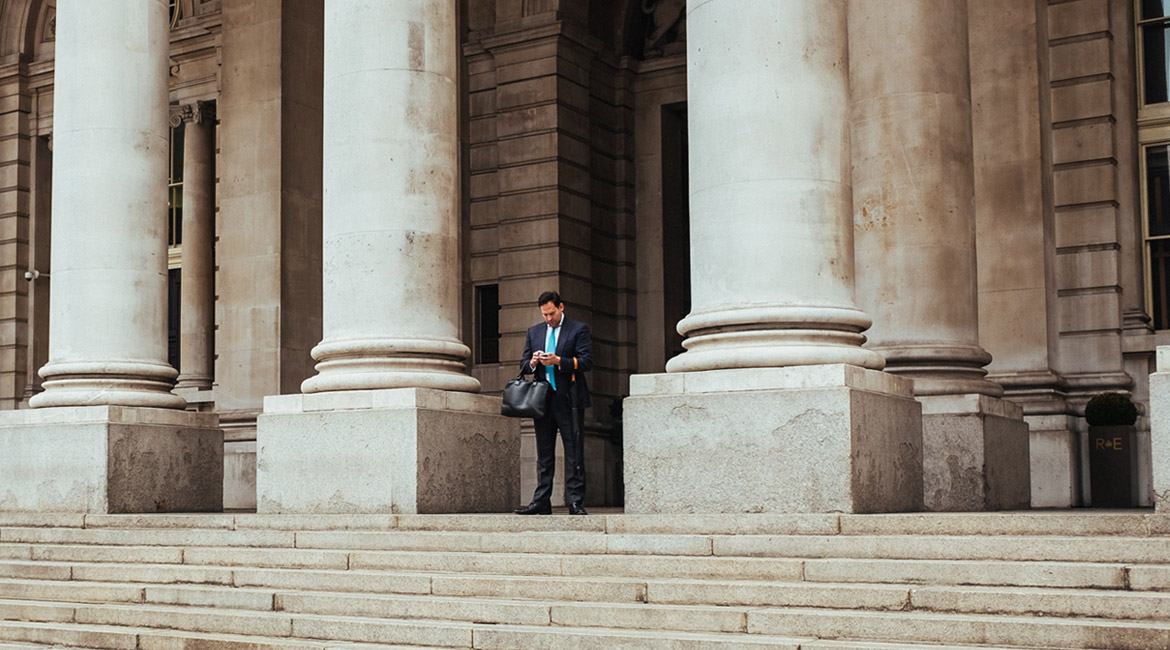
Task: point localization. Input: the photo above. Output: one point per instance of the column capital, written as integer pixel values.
(196, 112)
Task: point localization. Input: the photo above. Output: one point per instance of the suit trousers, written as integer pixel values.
(559, 416)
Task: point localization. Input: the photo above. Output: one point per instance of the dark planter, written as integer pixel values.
(1113, 466)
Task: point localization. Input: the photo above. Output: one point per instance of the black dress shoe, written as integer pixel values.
(535, 509)
(577, 508)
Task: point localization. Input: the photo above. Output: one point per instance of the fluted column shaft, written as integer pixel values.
(913, 191)
(197, 300)
(391, 218)
(108, 319)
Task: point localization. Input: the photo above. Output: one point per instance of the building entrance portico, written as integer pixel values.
(782, 222)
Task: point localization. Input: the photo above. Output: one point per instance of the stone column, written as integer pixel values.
(197, 306)
(771, 408)
(107, 327)
(391, 215)
(914, 214)
(771, 242)
(106, 435)
(391, 348)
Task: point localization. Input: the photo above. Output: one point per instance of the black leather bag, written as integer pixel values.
(525, 398)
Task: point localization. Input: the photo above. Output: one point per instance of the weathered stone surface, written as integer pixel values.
(1160, 429)
(694, 447)
(974, 454)
(421, 451)
(100, 459)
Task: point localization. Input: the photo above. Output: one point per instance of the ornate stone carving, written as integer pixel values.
(667, 25)
(195, 112)
(49, 31)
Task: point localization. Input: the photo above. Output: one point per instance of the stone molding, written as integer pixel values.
(196, 112)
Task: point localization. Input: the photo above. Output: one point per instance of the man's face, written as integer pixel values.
(552, 313)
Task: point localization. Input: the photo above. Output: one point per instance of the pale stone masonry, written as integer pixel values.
(686, 182)
(914, 214)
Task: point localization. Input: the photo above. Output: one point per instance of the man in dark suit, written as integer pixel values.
(561, 349)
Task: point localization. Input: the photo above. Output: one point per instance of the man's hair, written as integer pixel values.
(549, 296)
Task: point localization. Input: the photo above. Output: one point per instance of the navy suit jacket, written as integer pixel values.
(574, 342)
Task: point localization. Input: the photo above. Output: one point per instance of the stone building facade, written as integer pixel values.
(990, 184)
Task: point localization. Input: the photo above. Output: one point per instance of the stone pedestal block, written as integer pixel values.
(1054, 447)
(824, 438)
(110, 459)
(400, 450)
(1160, 430)
(974, 454)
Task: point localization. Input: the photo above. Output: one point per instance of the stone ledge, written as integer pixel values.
(390, 398)
(970, 404)
(107, 414)
(792, 377)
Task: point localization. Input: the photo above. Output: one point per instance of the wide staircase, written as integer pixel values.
(810, 582)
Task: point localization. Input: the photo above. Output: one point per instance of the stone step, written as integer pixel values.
(67, 634)
(112, 620)
(916, 627)
(675, 605)
(97, 637)
(252, 590)
(411, 572)
(1146, 550)
(1125, 523)
(408, 572)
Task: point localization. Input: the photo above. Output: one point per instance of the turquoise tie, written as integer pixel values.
(551, 348)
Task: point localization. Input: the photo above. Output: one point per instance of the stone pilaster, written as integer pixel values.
(391, 349)
(197, 327)
(1018, 303)
(16, 250)
(774, 407)
(914, 215)
(268, 255)
(1086, 196)
(107, 434)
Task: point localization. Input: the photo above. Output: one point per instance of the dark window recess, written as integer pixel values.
(1154, 8)
(676, 224)
(174, 282)
(1160, 282)
(487, 318)
(1156, 61)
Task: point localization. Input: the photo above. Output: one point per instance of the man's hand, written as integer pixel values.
(549, 359)
(535, 359)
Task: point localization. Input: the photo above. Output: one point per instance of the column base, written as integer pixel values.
(974, 454)
(110, 459)
(402, 450)
(1055, 450)
(826, 438)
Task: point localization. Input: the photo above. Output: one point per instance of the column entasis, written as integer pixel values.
(197, 304)
(775, 406)
(391, 378)
(107, 434)
(914, 213)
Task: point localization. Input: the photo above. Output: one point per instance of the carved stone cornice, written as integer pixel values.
(195, 112)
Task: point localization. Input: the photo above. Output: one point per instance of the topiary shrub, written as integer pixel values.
(1111, 409)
